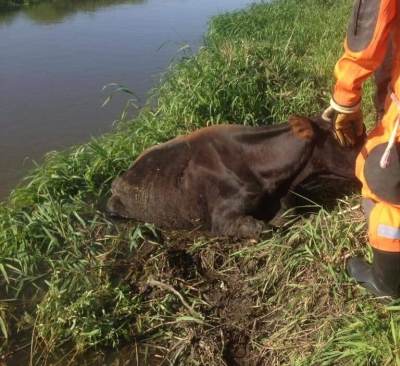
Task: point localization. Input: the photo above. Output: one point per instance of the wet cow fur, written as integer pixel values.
(229, 179)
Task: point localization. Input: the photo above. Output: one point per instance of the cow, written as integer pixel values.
(228, 179)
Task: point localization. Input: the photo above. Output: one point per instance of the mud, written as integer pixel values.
(231, 305)
(240, 301)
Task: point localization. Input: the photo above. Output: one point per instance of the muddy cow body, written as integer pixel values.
(226, 178)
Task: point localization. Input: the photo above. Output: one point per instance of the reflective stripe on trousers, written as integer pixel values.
(383, 225)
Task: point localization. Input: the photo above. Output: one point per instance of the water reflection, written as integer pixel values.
(51, 12)
(7, 16)
(55, 57)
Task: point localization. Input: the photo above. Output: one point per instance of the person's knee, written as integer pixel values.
(384, 227)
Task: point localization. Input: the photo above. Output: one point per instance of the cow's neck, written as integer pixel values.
(284, 170)
(301, 172)
(307, 171)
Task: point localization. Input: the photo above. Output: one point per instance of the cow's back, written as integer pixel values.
(152, 188)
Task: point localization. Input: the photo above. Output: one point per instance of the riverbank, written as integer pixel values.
(86, 4)
(15, 4)
(74, 282)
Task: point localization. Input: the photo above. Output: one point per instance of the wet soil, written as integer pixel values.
(215, 286)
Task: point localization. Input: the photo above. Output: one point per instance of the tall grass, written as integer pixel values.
(72, 281)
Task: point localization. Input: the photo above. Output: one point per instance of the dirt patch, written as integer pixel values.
(194, 274)
(182, 264)
(215, 301)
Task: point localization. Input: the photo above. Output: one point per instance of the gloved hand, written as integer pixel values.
(348, 124)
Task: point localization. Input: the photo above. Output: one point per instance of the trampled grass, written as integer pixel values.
(75, 286)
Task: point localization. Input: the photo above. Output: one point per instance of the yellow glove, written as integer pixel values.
(348, 124)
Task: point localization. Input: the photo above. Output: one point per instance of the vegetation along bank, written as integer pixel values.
(76, 286)
(14, 4)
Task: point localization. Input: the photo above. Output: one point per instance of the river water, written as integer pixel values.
(56, 57)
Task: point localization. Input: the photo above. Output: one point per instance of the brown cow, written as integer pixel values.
(225, 178)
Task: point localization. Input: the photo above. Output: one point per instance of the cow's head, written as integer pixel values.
(328, 156)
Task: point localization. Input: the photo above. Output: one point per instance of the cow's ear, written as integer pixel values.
(302, 127)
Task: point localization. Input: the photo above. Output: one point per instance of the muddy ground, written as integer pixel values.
(220, 301)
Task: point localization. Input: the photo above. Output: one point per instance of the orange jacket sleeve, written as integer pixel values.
(365, 48)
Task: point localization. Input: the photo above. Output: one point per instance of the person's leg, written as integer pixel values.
(382, 277)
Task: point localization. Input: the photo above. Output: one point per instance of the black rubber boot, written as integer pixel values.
(382, 277)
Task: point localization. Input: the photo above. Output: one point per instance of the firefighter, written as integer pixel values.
(372, 47)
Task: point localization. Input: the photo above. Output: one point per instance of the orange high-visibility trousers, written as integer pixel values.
(372, 46)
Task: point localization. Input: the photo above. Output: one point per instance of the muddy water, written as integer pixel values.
(55, 58)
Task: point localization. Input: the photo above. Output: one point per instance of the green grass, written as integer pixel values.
(75, 285)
